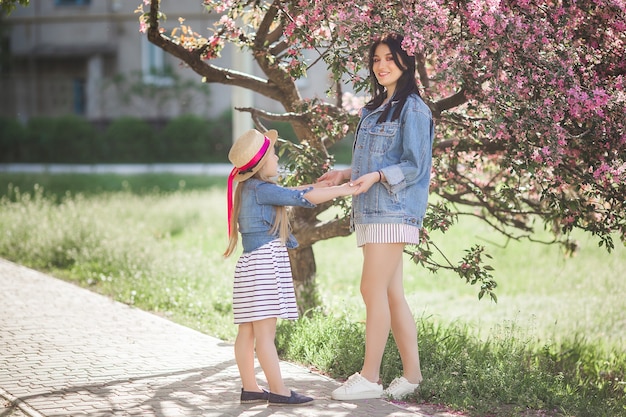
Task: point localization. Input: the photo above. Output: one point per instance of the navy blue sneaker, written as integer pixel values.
(293, 399)
(250, 397)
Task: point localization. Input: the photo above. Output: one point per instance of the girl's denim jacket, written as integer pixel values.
(258, 210)
(402, 150)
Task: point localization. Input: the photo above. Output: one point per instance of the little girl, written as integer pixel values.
(263, 287)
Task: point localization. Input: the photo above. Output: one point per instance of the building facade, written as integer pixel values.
(87, 57)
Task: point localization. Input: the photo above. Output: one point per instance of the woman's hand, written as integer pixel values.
(336, 177)
(364, 182)
(322, 183)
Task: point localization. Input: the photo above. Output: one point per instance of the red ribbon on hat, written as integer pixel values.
(236, 170)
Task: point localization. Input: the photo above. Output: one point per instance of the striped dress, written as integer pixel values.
(263, 285)
(386, 233)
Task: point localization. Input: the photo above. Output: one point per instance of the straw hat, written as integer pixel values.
(249, 152)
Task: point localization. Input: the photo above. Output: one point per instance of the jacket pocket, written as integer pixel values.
(382, 136)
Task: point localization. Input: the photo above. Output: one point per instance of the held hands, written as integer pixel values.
(344, 189)
(335, 177)
(358, 186)
(364, 182)
(325, 190)
(350, 188)
(321, 184)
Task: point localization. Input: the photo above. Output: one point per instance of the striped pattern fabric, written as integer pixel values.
(263, 285)
(386, 233)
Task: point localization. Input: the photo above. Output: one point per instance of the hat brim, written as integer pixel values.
(272, 135)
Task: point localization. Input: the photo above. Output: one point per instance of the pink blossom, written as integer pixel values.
(541, 79)
(600, 171)
(223, 6)
(489, 21)
(474, 27)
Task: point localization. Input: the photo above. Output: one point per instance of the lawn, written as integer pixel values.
(541, 292)
(156, 242)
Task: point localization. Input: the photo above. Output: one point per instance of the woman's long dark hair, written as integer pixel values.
(406, 83)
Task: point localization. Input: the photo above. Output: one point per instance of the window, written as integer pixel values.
(153, 64)
(5, 54)
(79, 95)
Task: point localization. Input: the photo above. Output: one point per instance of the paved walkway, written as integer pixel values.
(124, 169)
(215, 169)
(66, 351)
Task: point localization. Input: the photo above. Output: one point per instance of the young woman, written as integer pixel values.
(263, 287)
(391, 164)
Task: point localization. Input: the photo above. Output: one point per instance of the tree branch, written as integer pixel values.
(308, 233)
(420, 59)
(283, 117)
(275, 35)
(278, 78)
(279, 48)
(450, 102)
(211, 73)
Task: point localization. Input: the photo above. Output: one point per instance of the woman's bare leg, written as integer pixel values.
(380, 264)
(404, 329)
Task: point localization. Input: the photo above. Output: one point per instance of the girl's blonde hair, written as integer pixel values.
(281, 224)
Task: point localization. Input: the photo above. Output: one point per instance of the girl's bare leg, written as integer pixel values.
(380, 265)
(244, 355)
(265, 332)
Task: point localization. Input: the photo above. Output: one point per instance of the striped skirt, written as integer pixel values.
(386, 233)
(263, 285)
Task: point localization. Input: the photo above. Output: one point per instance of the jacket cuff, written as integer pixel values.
(303, 202)
(394, 178)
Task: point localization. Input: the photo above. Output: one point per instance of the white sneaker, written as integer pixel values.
(357, 388)
(399, 388)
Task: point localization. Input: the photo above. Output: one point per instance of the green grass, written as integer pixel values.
(88, 184)
(554, 341)
(539, 289)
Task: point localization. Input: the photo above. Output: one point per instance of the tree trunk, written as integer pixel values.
(303, 269)
(308, 230)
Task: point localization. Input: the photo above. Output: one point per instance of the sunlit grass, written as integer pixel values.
(93, 184)
(179, 235)
(539, 290)
(160, 252)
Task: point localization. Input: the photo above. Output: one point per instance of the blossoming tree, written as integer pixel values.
(7, 6)
(528, 97)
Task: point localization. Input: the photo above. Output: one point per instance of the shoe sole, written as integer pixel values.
(253, 402)
(292, 405)
(359, 396)
(398, 397)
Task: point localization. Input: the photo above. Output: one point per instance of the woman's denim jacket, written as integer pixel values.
(402, 150)
(258, 211)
